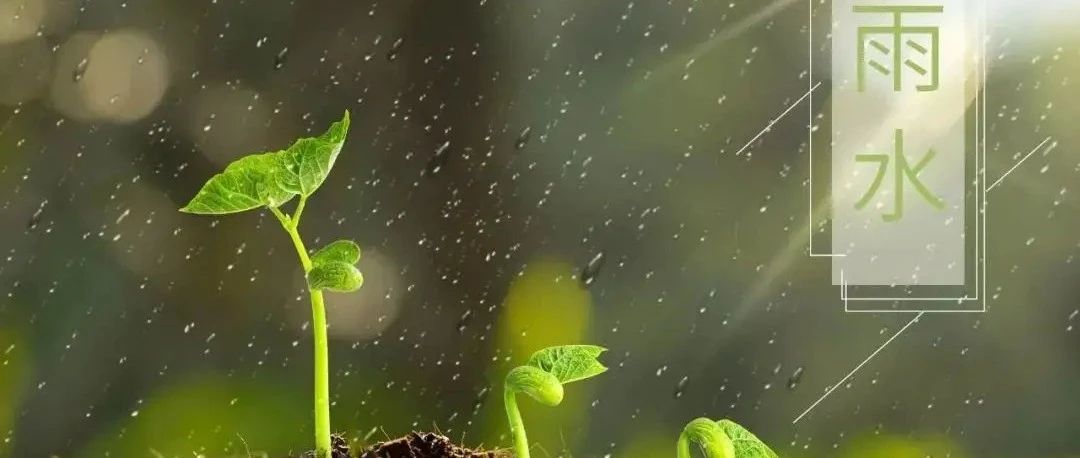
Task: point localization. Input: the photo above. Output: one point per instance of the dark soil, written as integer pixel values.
(426, 445)
(339, 448)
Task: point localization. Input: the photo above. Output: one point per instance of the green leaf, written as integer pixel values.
(337, 276)
(345, 251)
(309, 160)
(247, 183)
(569, 363)
(747, 445)
(271, 179)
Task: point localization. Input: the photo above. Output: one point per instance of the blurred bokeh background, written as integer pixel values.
(572, 133)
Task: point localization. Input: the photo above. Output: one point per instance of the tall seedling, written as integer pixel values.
(270, 180)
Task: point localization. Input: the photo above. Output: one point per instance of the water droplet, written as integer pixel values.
(279, 59)
(795, 378)
(438, 161)
(35, 219)
(394, 48)
(464, 320)
(681, 386)
(592, 269)
(80, 70)
(523, 138)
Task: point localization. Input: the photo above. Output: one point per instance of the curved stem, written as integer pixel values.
(682, 448)
(318, 325)
(709, 436)
(517, 426)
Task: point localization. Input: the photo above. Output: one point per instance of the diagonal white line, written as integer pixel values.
(856, 369)
(773, 122)
(1018, 164)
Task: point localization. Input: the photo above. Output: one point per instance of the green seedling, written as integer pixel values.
(270, 180)
(542, 378)
(721, 439)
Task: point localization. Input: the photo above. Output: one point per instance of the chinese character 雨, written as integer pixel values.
(891, 41)
(902, 170)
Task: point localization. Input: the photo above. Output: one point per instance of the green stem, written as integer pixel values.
(709, 436)
(517, 426)
(682, 448)
(322, 353)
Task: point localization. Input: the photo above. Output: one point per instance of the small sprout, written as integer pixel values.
(707, 435)
(542, 378)
(721, 439)
(271, 180)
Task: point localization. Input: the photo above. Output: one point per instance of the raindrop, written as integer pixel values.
(394, 48)
(681, 386)
(795, 378)
(80, 70)
(592, 269)
(523, 138)
(279, 59)
(438, 161)
(35, 219)
(464, 320)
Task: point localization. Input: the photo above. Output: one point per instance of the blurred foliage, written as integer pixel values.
(14, 375)
(888, 446)
(210, 416)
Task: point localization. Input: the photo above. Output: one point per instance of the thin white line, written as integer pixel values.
(810, 117)
(856, 369)
(772, 123)
(985, 90)
(915, 311)
(810, 129)
(1018, 164)
(911, 299)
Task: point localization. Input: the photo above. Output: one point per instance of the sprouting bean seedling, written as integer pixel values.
(270, 180)
(542, 378)
(721, 439)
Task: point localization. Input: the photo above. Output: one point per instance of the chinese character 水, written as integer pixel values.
(901, 170)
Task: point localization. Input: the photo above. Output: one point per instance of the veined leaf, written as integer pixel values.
(747, 445)
(337, 276)
(345, 251)
(271, 179)
(569, 363)
(309, 160)
(247, 183)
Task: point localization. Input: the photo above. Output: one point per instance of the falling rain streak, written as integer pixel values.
(438, 161)
(523, 138)
(680, 387)
(592, 269)
(795, 378)
(80, 70)
(392, 54)
(279, 59)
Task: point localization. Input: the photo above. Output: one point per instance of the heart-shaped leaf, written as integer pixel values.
(345, 251)
(337, 276)
(747, 445)
(309, 160)
(271, 179)
(569, 363)
(247, 183)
